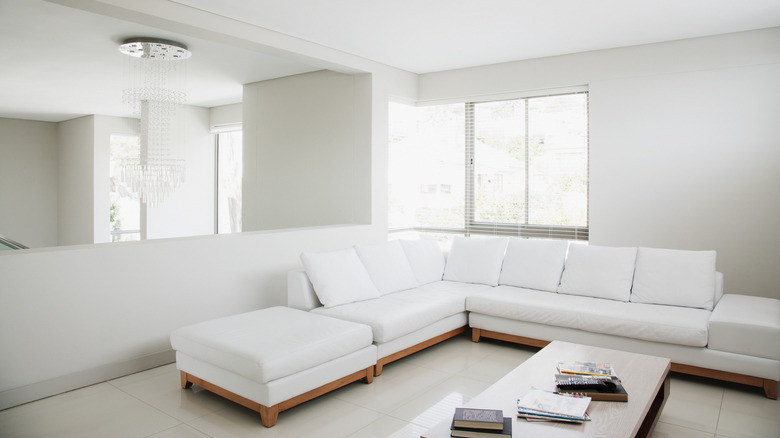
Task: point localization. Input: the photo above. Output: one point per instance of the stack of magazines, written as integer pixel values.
(539, 405)
(595, 380)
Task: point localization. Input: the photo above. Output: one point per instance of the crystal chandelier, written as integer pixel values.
(155, 95)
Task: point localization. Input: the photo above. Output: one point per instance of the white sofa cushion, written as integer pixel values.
(426, 258)
(598, 271)
(387, 266)
(666, 324)
(475, 260)
(674, 277)
(534, 264)
(401, 313)
(272, 343)
(748, 325)
(338, 277)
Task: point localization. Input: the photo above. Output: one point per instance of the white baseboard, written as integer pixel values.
(47, 388)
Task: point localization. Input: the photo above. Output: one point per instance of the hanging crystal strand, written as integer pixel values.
(158, 170)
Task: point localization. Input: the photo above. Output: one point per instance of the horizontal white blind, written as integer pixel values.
(513, 167)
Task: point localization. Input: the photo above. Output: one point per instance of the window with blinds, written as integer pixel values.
(515, 167)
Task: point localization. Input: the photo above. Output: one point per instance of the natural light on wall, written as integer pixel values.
(515, 167)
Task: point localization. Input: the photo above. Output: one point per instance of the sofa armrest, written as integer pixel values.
(300, 292)
(746, 325)
(718, 287)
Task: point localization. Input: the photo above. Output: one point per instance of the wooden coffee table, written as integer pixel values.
(646, 379)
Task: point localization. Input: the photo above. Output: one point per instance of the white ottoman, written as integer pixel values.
(273, 359)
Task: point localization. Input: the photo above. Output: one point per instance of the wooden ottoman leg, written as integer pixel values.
(268, 415)
(185, 383)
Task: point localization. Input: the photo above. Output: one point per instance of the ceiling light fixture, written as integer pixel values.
(155, 93)
(155, 48)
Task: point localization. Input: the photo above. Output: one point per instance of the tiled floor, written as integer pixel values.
(410, 396)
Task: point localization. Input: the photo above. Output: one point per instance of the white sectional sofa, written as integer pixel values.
(661, 302)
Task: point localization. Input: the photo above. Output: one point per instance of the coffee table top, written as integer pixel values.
(641, 375)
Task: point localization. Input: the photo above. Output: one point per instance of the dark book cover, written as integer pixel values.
(482, 433)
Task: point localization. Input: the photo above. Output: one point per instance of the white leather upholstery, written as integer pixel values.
(696, 356)
(746, 325)
(285, 388)
(401, 313)
(667, 324)
(272, 343)
(592, 305)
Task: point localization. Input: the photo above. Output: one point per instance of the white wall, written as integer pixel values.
(76, 190)
(691, 161)
(683, 143)
(77, 315)
(226, 116)
(307, 151)
(28, 182)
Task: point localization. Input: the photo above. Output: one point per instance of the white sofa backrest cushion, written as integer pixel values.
(338, 277)
(533, 264)
(387, 266)
(598, 271)
(426, 258)
(475, 260)
(675, 278)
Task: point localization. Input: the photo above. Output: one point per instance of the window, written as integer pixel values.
(513, 167)
(229, 150)
(125, 210)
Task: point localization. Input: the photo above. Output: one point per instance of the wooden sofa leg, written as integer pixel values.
(185, 383)
(369, 375)
(268, 416)
(770, 389)
(378, 369)
(475, 334)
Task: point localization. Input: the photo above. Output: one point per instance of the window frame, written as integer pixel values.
(523, 230)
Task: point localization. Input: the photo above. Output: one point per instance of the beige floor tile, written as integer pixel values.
(495, 366)
(180, 431)
(162, 390)
(96, 411)
(747, 413)
(665, 430)
(323, 417)
(693, 404)
(389, 427)
(438, 403)
(398, 384)
(452, 356)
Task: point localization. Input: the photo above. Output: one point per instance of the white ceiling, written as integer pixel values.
(424, 36)
(58, 63)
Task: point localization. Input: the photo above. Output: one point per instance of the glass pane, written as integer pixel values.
(125, 210)
(499, 162)
(230, 172)
(426, 166)
(558, 160)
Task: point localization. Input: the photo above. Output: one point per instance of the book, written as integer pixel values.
(538, 404)
(586, 368)
(552, 403)
(506, 424)
(479, 418)
(597, 388)
(539, 418)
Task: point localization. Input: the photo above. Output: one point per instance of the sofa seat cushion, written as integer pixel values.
(746, 325)
(668, 324)
(398, 314)
(267, 344)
